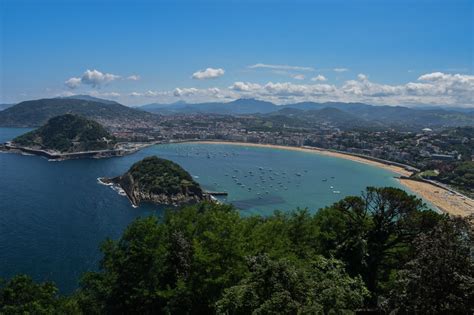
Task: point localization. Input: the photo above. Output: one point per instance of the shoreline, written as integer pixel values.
(62, 156)
(445, 200)
(395, 169)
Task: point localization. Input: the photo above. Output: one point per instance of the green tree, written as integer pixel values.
(279, 287)
(207, 258)
(372, 234)
(282, 235)
(440, 279)
(180, 264)
(21, 295)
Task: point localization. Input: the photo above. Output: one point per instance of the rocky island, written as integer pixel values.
(159, 181)
(66, 137)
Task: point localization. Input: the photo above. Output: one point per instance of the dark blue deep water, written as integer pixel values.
(54, 215)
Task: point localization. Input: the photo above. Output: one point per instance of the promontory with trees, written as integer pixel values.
(159, 181)
(382, 252)
(67, 134)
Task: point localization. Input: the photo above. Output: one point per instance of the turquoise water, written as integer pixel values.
(54, 215)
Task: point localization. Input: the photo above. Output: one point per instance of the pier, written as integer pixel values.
(216, 193)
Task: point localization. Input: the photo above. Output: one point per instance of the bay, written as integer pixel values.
(54, 215)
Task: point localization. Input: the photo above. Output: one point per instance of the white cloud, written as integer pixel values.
(435, 88)
(184, 91)
(340, 69)
(73, 82)
(150, 94)
(288, 89)
(93, 78)
(362, 77)
(96, 78)
(298, 76)
(133, 77)
(363, 87)
(435, 76)
(319, 78)
(279, 67)
(245, 86)
(209, 73)
(195, 94)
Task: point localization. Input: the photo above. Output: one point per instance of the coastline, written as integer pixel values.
(443, 199)
(61, 156)
(446, 201)
(395, 169)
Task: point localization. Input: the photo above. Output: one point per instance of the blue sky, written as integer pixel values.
(380, 52)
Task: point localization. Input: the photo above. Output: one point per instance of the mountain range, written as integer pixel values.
(397, 116)
(347, 115)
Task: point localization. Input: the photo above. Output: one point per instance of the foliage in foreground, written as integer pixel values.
(440, 278)
(378, 251)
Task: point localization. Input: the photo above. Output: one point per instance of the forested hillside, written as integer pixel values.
(37, 112)
(380, 252)
(68, 133)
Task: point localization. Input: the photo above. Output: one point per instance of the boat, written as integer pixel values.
(336, 191)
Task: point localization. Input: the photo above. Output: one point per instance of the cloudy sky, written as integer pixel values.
(136, 52)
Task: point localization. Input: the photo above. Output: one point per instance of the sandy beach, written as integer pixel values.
(446, 201)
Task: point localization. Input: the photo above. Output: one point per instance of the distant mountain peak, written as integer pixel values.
(250, 101)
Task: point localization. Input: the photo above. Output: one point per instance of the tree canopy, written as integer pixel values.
(68, 133)
(379, 251)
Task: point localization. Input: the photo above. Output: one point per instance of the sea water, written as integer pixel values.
(54, 215)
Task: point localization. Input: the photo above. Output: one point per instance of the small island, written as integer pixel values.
(69, 136)
(158, 181)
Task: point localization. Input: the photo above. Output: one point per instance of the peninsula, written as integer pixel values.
(158, 181)
(69, 136)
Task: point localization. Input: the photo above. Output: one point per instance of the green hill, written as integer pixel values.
(37, 112)
(159, 181)
(67, 133)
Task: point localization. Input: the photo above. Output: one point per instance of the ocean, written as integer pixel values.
(54, 215)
